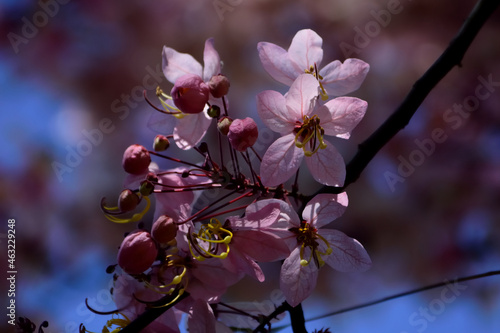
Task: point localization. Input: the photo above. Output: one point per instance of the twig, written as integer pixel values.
(450, 58)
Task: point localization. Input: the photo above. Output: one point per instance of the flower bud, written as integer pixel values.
(219, 85)
(243, 133)
(161, 143)
(137, 252)
(146, 188)
(128, 200)
(190, 94)
(136, 159)
(164, 229)
(213, 111)
(223, 125)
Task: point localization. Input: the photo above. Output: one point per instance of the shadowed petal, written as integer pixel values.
(327, 166)
(261, 246)
(324, 208)
(348, 254)
(280, 161)
(296, 281)
(190, 129)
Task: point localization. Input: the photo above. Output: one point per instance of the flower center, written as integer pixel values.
(308, 237)
(313, 70)
(206, 242)
(309, 135)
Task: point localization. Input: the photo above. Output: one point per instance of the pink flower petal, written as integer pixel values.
(261, 246)
(297, 282)
(341, 79)
(271, 107)
(341, 115)
(327, 166)
(281, 219)
(211, 60)
(201, 318)
(280, 161)
(348, 254)
(305, 49)
(324, 208)
(302, 96)
(239, 262)
(176, 64)
(190, 129)
(276, 63)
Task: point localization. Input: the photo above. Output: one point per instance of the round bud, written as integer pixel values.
(164, 229)
(161, 143)
(136, 159)
(223, 125)
(146, 188)
(190, 94)
(213, 111)
(128, 200)
(219, 85)
(243, 133)
(137, 252)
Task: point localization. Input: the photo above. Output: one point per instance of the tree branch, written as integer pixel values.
(450, 58)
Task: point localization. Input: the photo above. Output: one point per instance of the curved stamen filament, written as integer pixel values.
(313, 70)
(135, 218)
(308, 236)
(213, 234)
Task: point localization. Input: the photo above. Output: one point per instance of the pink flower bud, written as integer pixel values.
(164, 229)
(137, 252)
(190, 94)
(219, 85)
(161, 143)
(223, 125)
(243, 133)
(128, 200)
(136, 159)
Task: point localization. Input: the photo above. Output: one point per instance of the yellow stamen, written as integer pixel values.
(307, 236)
(310, 130)
(168, 108)
(135, 218)
(313, 70)
(212, 233)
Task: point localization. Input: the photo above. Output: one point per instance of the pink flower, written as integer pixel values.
(312, 247)
(190, 128)
(305, 55)
(303, 122)
(256, 237)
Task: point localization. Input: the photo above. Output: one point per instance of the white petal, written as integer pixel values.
(274, 113)
(211, 60)
(190, 129)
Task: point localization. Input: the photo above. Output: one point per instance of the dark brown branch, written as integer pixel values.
(450, 58)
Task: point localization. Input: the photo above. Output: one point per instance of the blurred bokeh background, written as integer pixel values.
(71, 77)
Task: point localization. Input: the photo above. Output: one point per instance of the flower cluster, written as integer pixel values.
(188, 256)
